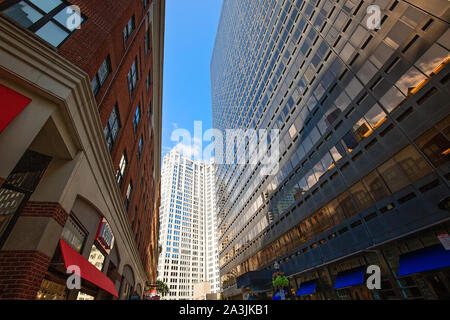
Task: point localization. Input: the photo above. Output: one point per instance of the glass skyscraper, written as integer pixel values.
(188, 233)
(360, 93)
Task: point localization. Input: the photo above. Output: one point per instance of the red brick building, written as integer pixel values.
(119, 45)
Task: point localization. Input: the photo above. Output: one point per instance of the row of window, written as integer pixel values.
(401, 170)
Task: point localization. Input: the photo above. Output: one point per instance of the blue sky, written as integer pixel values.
(189, 40)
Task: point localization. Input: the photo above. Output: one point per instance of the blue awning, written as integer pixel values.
(307, 288)
(426, 259)
(350, 278)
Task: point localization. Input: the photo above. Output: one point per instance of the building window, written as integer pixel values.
(122, 168)
(132, 77)
(128, 195)
(112, 128)
(97, 258)
(74, 235)
(128, 30)
(147, 41)
(141, 142)
(136, 118)
(147, 81)
(49, 19)
(101, 75)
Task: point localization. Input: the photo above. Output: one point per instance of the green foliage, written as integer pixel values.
(279, 281)
(162, 288)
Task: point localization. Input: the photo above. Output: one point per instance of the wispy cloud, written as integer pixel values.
(192, 150)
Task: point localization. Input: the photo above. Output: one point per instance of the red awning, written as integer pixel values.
(11, 104)
(88, 271)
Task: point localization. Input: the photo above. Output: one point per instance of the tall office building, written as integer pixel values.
(360, 95)
(82, 85)
(188, 233)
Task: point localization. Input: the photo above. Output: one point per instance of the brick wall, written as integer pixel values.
(45, 209)
(100, 36)
(21, 274)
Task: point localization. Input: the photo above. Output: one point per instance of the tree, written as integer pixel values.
(162, 288)
(279, 281)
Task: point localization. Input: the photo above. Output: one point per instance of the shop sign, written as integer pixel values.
(105, 236)
(445, 240)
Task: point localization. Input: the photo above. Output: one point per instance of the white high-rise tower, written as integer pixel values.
(188, 231)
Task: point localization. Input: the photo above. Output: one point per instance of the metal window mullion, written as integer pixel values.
(46, 16)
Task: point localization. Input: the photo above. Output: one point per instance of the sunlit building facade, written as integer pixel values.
(362, 106)
(188, 233)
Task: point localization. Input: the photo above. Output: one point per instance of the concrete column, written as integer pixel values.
(385, 266)
(330, 282)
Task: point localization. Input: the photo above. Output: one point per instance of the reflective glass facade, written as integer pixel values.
(364, 128)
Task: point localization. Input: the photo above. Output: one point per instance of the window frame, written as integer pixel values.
(128, 33)
(97, 76)
(133, 85)
(109, 129)
(137, 118)
(120, 176)
(46, 18)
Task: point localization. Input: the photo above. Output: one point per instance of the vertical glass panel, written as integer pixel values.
(319, 170)
(398, 34)
(349, 142)
(95, 85)
(362, 129)
(346, 204)
(342, 101)
(432, 59)
(444, 126)
(393, 175)
(335, 212)
(361, 196)
(435, 146)
(103, 71)
(375, 116)
(411, 81)
(336, 154)
(46, 5)
(392, 99)
(53, 34)
(23, 14)
(320, 221)
(327, 162)
(310, 178)
(412, 163)
(375, 185)
(367, 71)
(381, 54)
(413, 17)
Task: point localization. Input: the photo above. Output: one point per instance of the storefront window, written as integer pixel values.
(73, 234)
(84, 296)
(97, 258)
(51, 291)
